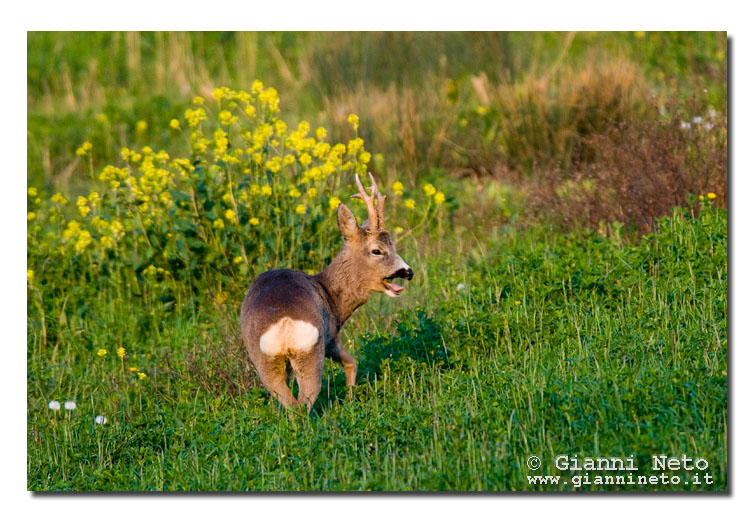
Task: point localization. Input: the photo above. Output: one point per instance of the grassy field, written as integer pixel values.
(567, 299)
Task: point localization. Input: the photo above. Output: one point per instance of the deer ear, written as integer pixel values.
(347, 223)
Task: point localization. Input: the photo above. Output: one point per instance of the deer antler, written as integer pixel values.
(375, 221)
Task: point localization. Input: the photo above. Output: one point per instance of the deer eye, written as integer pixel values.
(376, 252)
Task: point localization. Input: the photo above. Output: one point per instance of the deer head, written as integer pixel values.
(369, 250)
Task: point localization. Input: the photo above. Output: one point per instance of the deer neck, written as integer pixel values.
(345, 293)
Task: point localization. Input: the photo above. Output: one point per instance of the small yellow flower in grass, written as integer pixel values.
(398, 187)
(237, 260)
(141, 126)
(141, 375)
(482, 110)
(198, 100)
(231, 216)
(294, 193)
(365, 157)
(334, 202)
(32, 192)
(132, 369)
(312, 192)
(29, 275)
(121, 352)
(354, 120)
(301, 209)
(700, 197)
(711, 195)
(219, 93)
(218, 224)
(101, 352)
(174, 123)
(305, 159)
(430, 189)
(517, 303)
(84, 148)
(266, 190)
(310, 271)
(254, 221)
(398, 230)
(640, 34)
(250, 110)
(321, 133)
(410, 204)
(439, 198)
(30, 216)
(225, 117)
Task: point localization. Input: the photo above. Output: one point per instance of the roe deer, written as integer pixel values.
(291, 320)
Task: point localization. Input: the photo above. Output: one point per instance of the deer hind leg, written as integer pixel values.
(308, 370)
(274, 377)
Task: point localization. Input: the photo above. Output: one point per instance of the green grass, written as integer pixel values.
(558, 344)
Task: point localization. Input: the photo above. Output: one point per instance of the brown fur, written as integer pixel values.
(325, 300)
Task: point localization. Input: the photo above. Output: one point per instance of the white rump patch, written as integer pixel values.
(289, 335)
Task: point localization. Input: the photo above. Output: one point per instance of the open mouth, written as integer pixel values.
(392, 289)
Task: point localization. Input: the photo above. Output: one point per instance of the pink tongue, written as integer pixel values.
(394, 287)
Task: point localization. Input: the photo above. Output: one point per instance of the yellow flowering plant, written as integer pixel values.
(254, 192)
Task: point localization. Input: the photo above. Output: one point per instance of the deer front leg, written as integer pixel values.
(340, 355)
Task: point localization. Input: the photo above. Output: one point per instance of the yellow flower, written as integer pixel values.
(320, 133)
(334, 202)
(141, 126)
(429, 189)
(300, 209)
(133, 369)
(354, 120)
(101, 352)
(29, 275)
(218, 224)
(398, 230)
(219, 93)
(439, 198)
(237, 260)
(250, 110)
(305, 159)
(84, 148)
(225, 117)
(700, 197)
(640, 34)
(30, 216)
(231, 216)
(174, 123)
(197, 100)
(365, 157)
(312, 192)
(410, 204)
(294, 193)
(141, 375)
(711, 195)
(398, 187)
(266, 190)
(121, 352)
(482, 110)
(254, 221)
(32, 192)
(518, 303)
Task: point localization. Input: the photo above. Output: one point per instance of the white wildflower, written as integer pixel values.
(685, 125)
(54, 405)
(100, 419)
(697, 119)
(460, 286)
(70, 405)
